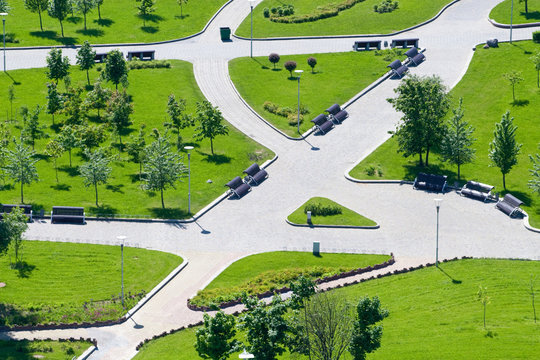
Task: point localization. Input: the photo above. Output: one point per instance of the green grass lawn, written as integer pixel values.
(119, 23)
(37, 349)
(261, 272)
(149, 89)
(501, 12)
(60, 280)
(486, 97)
(360, 19)
(431, 316)
(347, 217)
(352, 71)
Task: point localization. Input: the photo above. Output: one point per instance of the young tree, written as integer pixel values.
(59, 9)
(85, 57)
(290, 66)
(163, 167)
(11, 97)
(90, 136)
(118, 111)
(513, 77)
(98, 98)
(366, 336)
(181, 2)
(37, 6)
(526, 5)
(536, 61)
(85, 7)
(312, 62)
(215, 340)
(54, 149)
(68, 139)
(54, 100)
(115, 67)
(98, 4)
(96, 170)
(503, 150)
(4, 6)
(273, 58)
(178, 120)
(33, 130)
(484, 298)
(457, 142)
(135, 148)
(12, 228)
(210, 123)
(57, 67)
(21, 166)
(145, 8)
(73, 107)
(5, 135)
(424, 103)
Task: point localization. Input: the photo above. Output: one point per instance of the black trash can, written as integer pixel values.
(225, 33)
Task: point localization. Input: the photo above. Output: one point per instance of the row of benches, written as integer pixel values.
(334, 115)
(58, 213)
(254, 175)
(413, 55)
(376, 44)
(141, 55)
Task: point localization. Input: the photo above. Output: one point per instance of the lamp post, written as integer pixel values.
(298, 74)
(189, 148)
(438, 205)
(251, 3)
(122, 238)
(511, 19)
(246, 355)
(4, 25)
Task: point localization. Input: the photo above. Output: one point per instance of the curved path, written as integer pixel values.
(312, 167)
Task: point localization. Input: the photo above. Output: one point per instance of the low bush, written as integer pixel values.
(389, 54)
(290, 114)
(137, 64)
(322, 12)
(266, 12)
(319, 209)
(536, 36)
(385, 6)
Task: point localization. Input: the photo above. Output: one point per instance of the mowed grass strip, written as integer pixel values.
(41, 349)
(346, 218)
(348, 72)
(501, 12)
(258, 273)
(123, 195)
(67, 275)
(120, 23)
(360, 19)
(486, 97)
(431, 316)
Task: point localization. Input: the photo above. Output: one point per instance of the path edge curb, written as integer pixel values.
(514, 26)
(333, 226)
(85, 355)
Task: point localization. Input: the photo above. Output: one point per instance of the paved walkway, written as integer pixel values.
(313, 167)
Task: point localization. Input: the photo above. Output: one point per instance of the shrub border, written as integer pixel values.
(285, 289)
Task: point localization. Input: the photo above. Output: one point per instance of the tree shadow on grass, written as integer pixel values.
(91, 32)
(150, 29)
(168, 213)
(61, 187)
(534, 15)
(181, 17)
(24, 269)
(16, 316)
(103, 211)
(74, 19)
(519, 102)
(42, 157)
(71, 171)
(135, 178)
(412, 170)
(454, 281)
(115, 188)
(217, 159)
(153, 18)
(104, 22)
(6, 187)
(53, 35)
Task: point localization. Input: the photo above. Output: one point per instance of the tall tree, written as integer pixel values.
(57, 66)
(424, 102)
(85, 7)
(54, 149)
(85, 58)
(115, 67)
(163, 167)
(178, 120)
(514, 78)
(118, 111)
(37, 6)
(145, 8)
(12, 228)
(504, 149)
(215, 339)
(99, 3)
(32, 129)
(11, 97)
(210, 123)
(536, 61)
(96, 170)
(54, 100)
(135, 148)
(98, 98)
(366, 336)
(181, 3)
(526, 5)
(457, 142)
(73, 109)
(90, 136)
(68, 139)
(21, 166)
(59, 9)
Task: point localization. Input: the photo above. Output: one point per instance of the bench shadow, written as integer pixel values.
(412, 170)
(104, 22)
(61, 187)
(168, 213)
(454, 281)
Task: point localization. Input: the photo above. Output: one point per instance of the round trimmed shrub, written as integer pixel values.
(290, 66)
(273, 58)
(312, 62)
(266, 12)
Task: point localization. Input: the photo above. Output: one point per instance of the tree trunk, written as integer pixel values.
(56, 170)
(538, 78)
(514, 92)
(162, 203)
(95, 187)
(99, 12)
(84, 21)
(212, 145)
(484, 316)
(22, 194)
(504, 181)
(427, 156)
(420, 159)
(140, 170)
(53, 118)
(87, 76)
(62, 28)
(69, 151)
(526, 7)
(40, 22)
(181, 10)
(458, 171)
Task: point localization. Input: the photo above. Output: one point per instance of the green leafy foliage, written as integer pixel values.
(57, 66)
(366, 336)
(21, 166)
(385, 6)
(215, 339)
(504, 149)
(86, 55)
(210, 123)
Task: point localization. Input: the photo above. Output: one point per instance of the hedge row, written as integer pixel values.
(322, 12)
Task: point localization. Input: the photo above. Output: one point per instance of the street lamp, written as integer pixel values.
(189, 148)
(246, 355)
(298, 74)
(251, 3)
(122, 238)
(438, 205)
(511, 20)
(4, 25)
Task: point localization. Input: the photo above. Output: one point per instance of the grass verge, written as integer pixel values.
(41, 349)
(501, 12)
(346, 218)
(352, 71)
(66, 283)
(486, 97)
(258, 273)
(439, 305)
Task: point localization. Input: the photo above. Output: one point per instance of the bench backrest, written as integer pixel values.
(319, 119)
(68, 210)
(431, 178)
(7, 208)
(252, 169)
(394, 65)
(475, 185)
(334, 109)
(512, 200)
(234, 183)
(412, 52)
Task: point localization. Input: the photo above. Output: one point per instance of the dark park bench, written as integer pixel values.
(414, 56)
(404, 43)
(509, 205)
(100, 58)
(238, 187)
(27, 210)
(141, 55)
(255, 174)
(430, 182)
(476, 190)
(70, 214)
(336, 114)
(366, 45)
(322, 123)
(398, 68)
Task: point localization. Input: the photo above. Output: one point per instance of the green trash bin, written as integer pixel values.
(225, 33)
